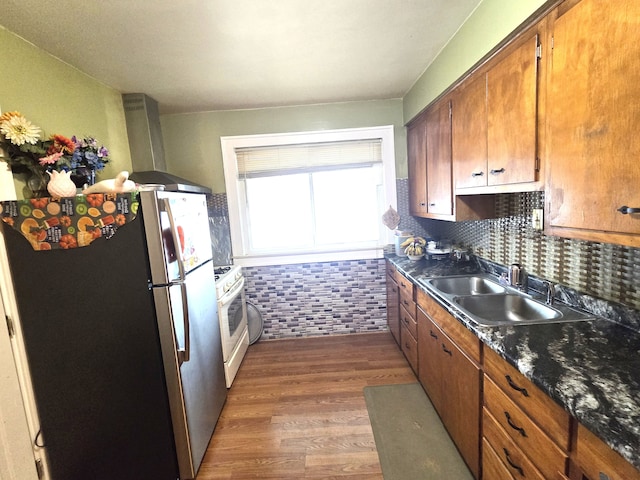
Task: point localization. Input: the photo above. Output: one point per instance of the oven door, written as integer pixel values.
(232, 307)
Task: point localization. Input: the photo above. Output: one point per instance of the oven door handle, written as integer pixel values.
(229, 295)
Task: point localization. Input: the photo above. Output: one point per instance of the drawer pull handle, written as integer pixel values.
(445, 350)
(515, 427)
(433, 335)
(477, 174)
(497, 171)
(522, 390)
(513, 465)
(628, 210)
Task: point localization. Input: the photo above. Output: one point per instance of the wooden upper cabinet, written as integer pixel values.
(439, 182)
(417, 166)
(469, 134)
(496, 113)
(593, 145)
(512, 116)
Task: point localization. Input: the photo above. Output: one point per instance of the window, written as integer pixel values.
(314, 196)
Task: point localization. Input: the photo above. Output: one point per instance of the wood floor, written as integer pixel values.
(296, 409)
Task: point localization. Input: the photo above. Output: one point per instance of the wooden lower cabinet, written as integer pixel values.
(393, 308)
(508, 453)
(594, 460)
(503, 425)
(533, 428)
(409, 345)
(452, 381)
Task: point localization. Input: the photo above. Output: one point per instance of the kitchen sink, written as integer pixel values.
(506, 309)
(466, 285)
(486, 302)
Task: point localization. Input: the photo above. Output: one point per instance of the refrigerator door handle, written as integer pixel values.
(185, 353)
(176, 240)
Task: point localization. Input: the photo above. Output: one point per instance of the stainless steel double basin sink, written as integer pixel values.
(488, 303)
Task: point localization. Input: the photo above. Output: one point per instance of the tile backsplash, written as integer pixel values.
(350, 296)
(602, 270)
(319, 298)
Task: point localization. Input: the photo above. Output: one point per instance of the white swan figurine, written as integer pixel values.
(120, 184)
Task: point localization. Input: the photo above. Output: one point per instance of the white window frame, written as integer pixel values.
(235, 203)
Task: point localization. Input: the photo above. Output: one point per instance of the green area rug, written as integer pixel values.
(412, 443)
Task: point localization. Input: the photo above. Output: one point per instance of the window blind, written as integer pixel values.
(310, 157)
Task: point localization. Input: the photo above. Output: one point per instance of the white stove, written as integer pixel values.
(232, 311)
(225, 277)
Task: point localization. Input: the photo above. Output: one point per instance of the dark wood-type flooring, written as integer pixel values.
(296, 409)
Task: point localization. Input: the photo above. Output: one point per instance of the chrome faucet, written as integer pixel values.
(551, 292)
(518, 277)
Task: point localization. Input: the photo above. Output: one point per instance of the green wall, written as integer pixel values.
(60, 99)
(490, 23)
(192, 141)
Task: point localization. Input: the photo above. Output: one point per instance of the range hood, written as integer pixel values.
(147, 150)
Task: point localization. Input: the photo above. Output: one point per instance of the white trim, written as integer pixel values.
(229, 146)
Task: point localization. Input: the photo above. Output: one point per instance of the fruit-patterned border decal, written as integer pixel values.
(52, 223)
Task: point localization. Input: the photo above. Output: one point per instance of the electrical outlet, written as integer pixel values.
(537, 218)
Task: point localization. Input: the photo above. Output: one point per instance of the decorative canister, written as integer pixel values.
(400, 237)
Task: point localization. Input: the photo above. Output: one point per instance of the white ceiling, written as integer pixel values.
(200, 55)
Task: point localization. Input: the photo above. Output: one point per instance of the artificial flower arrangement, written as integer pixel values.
(25, 149)
(414, 246)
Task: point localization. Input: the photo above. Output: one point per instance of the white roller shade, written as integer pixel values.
(287, 159)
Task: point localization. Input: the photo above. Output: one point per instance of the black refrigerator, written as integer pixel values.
(123, 343)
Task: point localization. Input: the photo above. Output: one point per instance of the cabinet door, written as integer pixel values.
(469, 134)
(439, 184)
(429, 359)
(393, 314)
(593, 121)
(512, 116)
(597, 460)
(461, 414)
(417, 166)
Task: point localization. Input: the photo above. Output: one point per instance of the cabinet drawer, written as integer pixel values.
(506, 450)
(407, 302)
(408, 322)
(409, 347)
(595, 458)
(492, 466)
(542, 451)
(391, 270)
(548, 414)
(463, 338)
(405, 285)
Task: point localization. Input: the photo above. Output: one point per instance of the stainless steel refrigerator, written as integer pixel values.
(123, 344)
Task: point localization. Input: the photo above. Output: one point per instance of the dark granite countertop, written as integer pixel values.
(591, 368)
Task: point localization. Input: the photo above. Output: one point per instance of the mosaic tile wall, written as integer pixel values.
(319, 298)
(602, 270)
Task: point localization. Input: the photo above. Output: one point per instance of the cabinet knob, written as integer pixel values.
(497, 171)
(477, 174)
(625, 210)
